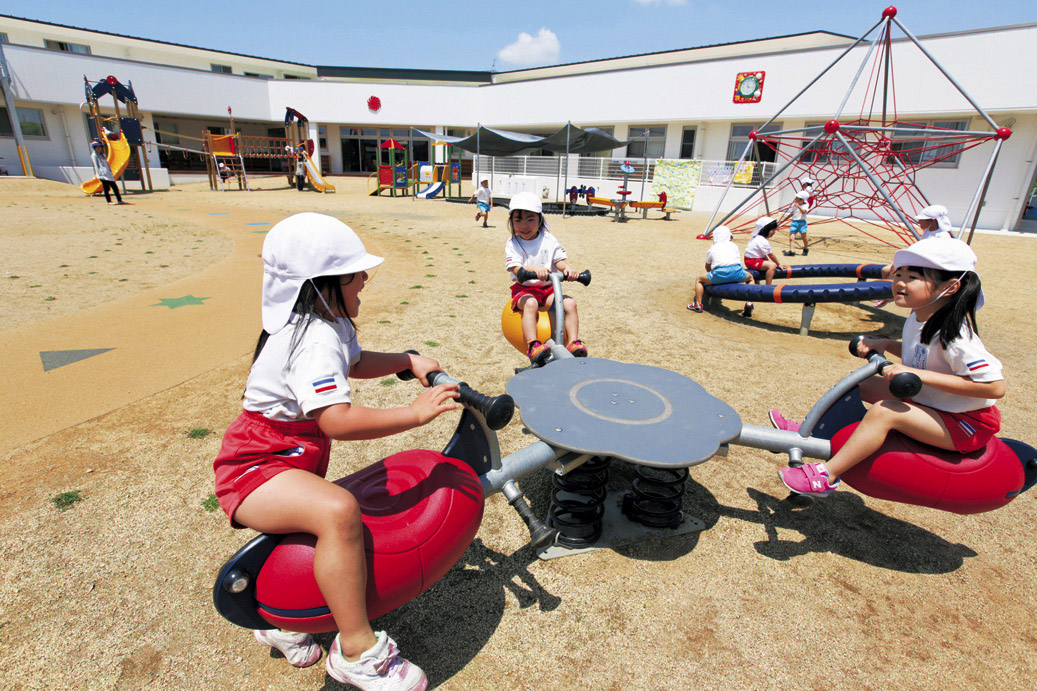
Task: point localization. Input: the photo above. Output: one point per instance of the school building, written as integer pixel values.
(673, 105)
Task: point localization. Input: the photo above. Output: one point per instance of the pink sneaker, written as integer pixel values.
(298, 648)
(379, 668)
(810, 478)
(781, 422)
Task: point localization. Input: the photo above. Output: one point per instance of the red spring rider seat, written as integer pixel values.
(421, 510)
(908, 471)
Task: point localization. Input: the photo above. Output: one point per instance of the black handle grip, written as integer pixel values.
(498, 410)
(904, 385)
(524, 275)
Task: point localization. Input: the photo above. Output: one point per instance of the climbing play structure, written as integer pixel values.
(120, 134)
(865, 159)
(394, 175)
(302, 147)
(440, 176)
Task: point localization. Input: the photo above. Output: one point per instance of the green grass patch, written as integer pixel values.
(13, 277)
(198, 432)
(472, 281)
(431, 344)
(49, 298)
(384, 321)
(430, 275)
(404, 303)
(389, 381)
(416, 287)
(460, 296)
(210, 503)
(65, 500)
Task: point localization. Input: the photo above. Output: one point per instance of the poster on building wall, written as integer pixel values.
(749, 87)
(678, 179)
(720, 175)
(745, 173)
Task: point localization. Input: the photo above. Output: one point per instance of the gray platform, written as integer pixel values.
(641, 414)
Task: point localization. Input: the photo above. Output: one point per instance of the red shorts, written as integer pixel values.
(256, 449)
(972, 430)
(540, 293)
(754, 262)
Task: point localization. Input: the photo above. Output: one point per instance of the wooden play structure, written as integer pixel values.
(302, 148)
(119, 134)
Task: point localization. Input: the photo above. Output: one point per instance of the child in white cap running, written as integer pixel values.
(533, 248)
(936, 279)
(798, 210)
(270, 470)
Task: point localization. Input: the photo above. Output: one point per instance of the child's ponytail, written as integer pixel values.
(960, 310)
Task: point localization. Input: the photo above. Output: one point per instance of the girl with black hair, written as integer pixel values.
(936, 279)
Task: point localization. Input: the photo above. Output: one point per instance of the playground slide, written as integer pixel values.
(315, 178)
(431, 191)
(118, 157)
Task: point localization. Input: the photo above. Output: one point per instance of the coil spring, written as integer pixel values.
(578, 503)
(656, 497)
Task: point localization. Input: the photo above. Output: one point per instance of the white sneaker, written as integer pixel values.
(298, 648)
(379, 668)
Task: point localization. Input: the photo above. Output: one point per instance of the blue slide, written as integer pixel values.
(431, 191)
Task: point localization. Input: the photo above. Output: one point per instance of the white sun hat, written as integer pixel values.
(721, 234)
(527, 201)
(806, 181)
(803, 194)
(761, 223)
(302, 247)
(938, 212)
(947, 254)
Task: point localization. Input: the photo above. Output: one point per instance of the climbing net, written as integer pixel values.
(864, 164)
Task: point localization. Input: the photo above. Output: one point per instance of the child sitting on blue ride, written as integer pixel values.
(270, 470)
(723, 265)
(533, 248)
(760, 255)
(936, 279)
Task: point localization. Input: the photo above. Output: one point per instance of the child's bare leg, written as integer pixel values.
(770, 267)
(299, 501)
(917, 422)
(530, 315)
(803, 236)
(572, 319)
(700, 288)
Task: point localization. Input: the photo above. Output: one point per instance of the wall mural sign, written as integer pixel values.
(749, 87)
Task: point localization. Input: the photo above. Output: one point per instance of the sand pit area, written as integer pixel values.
(124, 328)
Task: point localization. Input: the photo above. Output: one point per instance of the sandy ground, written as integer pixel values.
(114, 593)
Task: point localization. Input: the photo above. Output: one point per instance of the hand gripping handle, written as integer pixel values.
(904, 385)
(497, 410)
(524, 275)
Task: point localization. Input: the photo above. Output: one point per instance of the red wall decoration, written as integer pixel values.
(374, 104)
(749, 87)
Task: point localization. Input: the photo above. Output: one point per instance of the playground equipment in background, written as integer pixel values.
(868, 163)
(12, 117)
(223, 148)
(295, 130)
(511, 321)
(809, 295)
(118, 134)
(441, 176)
(396, 175)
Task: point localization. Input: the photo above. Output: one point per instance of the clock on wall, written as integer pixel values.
(749, 87)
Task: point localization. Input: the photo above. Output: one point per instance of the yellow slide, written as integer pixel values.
(118, 157)
(314, 176)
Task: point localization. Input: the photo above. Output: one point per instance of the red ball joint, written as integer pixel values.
(889, 12)
(753, 135)
(832, 126)
(112, 81)
(1003, 133)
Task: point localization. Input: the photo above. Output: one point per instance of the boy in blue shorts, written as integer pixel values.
(723, 265)
(800, 206)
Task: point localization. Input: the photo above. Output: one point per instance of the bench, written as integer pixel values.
(667, 213)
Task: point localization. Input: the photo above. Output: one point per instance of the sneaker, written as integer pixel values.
(810, 479)
(788, 253)
(806, 251)
(298, 648)
(478, 216)
(695, 307)
(781, 422)
(747, 311)
(381, 667)
(577, 348)
(537, 351)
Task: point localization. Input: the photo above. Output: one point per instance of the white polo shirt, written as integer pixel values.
(288, 384)
(758, 248)
(543, 250)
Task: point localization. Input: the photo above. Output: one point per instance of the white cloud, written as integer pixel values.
(529, 50)
(661, 2)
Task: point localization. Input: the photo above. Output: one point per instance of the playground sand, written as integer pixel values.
(114, 593)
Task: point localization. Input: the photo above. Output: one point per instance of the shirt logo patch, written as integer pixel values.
(966, 428)
(324, 385)
(977, 364)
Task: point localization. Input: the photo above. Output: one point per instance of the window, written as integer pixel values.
(3, 37)
(257, 74)
(294, 76)
(66, 47)
(923, 148)
(30, 119)
(651, 147)
(222, 69)
(322, 137)
(688, 143)
(167, 133)
(740, 138)
(826, 150)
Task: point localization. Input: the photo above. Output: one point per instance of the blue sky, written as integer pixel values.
(453, 34)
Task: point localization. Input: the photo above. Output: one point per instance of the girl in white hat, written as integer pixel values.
(533, 248)
(798, 211)
(955, 410)
(270, 470)
(760, 255)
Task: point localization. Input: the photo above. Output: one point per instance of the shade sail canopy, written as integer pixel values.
(491, 142)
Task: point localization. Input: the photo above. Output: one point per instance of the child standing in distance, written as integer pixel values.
(270, 470)
(300, 169)
(798, 211)
(103, 172)
(484, 198)
(723, 265)
(533, 248)
(760, 255)
(936, 279)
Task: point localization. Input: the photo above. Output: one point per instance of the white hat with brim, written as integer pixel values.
(302, 247)
(946, 254)
(938, 212)
(803, 194)
(806, 181)
(761, 223)
(527, 201)
(721, 234)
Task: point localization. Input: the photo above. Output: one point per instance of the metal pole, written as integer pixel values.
(478, 130)
(12, 115)
(644, 173)
(885, 79)
(565, 193)
(881, 190)
(723, 195)
(853, 84)
(957, 86)
(986, 184)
